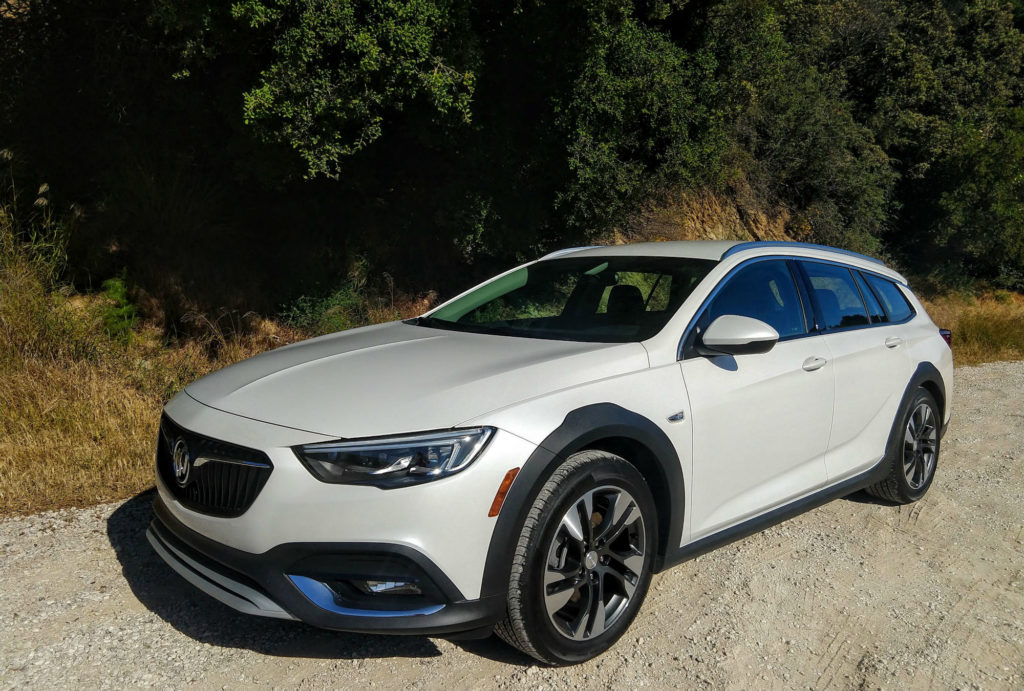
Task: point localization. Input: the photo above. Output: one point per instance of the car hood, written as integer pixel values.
(396, 378)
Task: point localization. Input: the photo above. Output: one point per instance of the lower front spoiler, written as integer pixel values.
(218, 585)
(288, 582)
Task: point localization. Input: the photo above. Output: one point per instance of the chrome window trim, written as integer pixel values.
(815, 331)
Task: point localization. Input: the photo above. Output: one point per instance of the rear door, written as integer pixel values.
(760, 422)
(870, 364)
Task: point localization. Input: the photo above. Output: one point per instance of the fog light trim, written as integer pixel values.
(323, 597)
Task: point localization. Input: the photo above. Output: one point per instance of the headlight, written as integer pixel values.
(397, 461)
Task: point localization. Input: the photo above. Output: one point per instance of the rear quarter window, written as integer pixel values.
(878, 315)
(895, 303)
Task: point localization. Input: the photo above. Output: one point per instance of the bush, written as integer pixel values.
(340, 310)
(120, 316)
(353, 304)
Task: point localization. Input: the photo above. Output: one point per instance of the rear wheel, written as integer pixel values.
(583, 561)
(914, 454)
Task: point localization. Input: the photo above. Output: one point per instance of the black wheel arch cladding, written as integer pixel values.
(926, 377)
(603, 426)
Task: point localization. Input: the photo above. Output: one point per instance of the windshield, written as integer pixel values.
(601, 299)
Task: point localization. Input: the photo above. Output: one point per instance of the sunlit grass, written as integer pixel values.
(986, 327)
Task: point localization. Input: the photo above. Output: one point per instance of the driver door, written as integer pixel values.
(760, 422)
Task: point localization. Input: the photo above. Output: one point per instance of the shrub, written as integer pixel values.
(120, 316)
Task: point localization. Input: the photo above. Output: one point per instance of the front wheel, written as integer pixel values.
(914, 454)
(583, 561)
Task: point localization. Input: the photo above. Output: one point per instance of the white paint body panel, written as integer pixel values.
(760, 429)
(866, 400)
(395, 378)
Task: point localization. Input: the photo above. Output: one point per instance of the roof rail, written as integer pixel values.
(567, 250)
(739, 247)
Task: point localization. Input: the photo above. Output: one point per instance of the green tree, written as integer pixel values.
(983, 219)
(938, 87)
(639, 118)
(294, 136)
(794, 134)
(338, 68)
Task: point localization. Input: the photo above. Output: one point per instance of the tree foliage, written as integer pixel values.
(294, 136)
(638, 117)
(338, 68)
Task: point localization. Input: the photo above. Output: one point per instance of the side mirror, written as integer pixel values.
(732, 334)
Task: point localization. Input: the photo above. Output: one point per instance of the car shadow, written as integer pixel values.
(862, 497)
(724, 362)
(496, 650)
(206, 620)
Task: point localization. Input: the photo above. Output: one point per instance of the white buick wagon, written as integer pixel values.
(524, 457)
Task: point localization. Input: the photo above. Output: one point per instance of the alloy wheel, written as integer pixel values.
(920, 443)
(594, 563)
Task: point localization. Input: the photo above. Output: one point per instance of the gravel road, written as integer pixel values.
(854, 595)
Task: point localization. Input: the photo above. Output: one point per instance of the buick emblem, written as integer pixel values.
(180, 462)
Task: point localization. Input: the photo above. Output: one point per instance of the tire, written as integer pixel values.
(575, 587)
(913, 454)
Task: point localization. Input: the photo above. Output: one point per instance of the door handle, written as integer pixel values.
(893, 342)
(813, 363)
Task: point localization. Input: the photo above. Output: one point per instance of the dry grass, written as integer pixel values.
(75, 432)
(986, 328)
(79, 407)
(72, 434)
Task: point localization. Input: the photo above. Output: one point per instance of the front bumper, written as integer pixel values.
(446, 520)
(288, 582)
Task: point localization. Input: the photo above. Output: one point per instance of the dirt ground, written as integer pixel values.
(853, 595)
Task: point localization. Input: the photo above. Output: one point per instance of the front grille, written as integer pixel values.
(222, 480)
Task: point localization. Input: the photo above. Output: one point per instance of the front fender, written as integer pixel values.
(604, 426)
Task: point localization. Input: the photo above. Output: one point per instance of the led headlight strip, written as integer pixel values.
(395, 461)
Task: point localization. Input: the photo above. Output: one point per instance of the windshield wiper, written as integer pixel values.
(434, 323)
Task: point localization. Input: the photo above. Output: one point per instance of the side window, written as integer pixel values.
(837, 295)
(764, 290)
(893, 300)
(874, 307)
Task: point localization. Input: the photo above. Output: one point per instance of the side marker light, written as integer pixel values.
(503, 489)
